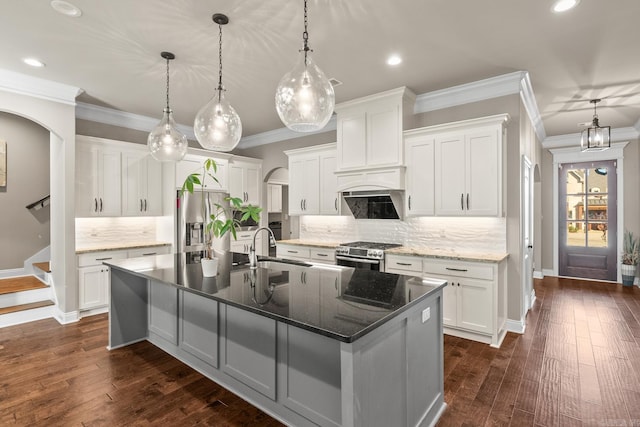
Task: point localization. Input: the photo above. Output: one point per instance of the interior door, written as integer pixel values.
(588, 210)
(527, 232)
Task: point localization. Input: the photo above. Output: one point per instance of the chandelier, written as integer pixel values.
(596, 137)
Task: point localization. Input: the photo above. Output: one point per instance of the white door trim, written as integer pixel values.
(574, 155)
(528, 293)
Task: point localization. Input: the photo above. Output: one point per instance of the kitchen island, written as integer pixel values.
(308, 344)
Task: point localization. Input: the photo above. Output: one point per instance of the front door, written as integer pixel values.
(588, 212)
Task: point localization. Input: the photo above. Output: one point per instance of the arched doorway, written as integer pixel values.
(277, 208)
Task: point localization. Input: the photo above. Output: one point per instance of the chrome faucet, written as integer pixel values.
(253, 259)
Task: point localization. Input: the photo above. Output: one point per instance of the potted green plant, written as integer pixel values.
(220, 220)
(630, 256)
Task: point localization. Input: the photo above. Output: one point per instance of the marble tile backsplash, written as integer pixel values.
(91, 231)
(458, 234)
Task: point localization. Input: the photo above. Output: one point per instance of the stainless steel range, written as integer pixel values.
(366, 255)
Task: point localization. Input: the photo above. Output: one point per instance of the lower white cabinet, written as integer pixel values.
(244, 240)
(473, 302)
(306, 253)
(93, 275)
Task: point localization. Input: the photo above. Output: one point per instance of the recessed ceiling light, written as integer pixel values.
(66, 8)
(33, 62)
(394, 60)
(564, 5)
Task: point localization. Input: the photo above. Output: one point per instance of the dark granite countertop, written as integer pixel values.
(339, 302)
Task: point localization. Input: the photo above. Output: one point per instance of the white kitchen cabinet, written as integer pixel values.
(98, 180)
(155, 250)
(274, 198)
(141, 184)
(306, 253)
(243, 241)
(312, 182)
(244, 181)
(370, 129)
(408, 265)
(93, 278)
(420, 177)
(329, 196)
(469, 166)
(194, 164)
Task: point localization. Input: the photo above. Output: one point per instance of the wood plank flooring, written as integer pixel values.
(22, 283)
(578, 364)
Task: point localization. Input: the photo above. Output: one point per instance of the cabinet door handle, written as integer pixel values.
(462, 201)
(335, 203)
(467, 201)
(322, 255)
(405, 263)
(140, 205)
(145, 205)
(409, 202)
(150, 253)
(100, 204)
(292, 252)
(103, 259)
(301, 208)
(95, 201)
(336, 283)
(458, 284)
(456, 269)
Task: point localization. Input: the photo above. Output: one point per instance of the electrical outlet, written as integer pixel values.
(426, 314)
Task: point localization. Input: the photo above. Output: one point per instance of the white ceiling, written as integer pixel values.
(113, 51)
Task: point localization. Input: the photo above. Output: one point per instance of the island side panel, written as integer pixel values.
(383, 373)
(199, 327)
(309, 376)
(163, 311)
(127, 309)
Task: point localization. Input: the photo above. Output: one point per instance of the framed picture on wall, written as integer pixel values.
(3, 164)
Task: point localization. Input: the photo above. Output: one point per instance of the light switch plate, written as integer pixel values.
(426, 314)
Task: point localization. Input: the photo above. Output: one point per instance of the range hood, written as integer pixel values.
(383, 204)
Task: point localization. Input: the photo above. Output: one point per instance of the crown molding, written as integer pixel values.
(514, 83)
(36, 87)
(110, 116)
(281, 134)
(573, 139)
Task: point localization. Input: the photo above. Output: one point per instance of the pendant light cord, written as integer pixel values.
(167, 84)
(305, 34)
(220, 60)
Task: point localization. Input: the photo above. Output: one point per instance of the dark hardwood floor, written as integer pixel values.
(578, 363)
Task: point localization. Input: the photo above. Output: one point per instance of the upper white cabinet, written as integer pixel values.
(312, 182)
(244, 181)
(98, 169)
(141, 184)
(420, 184)
(456, 169)
(274, 198)
(193, 163)
(370, 129)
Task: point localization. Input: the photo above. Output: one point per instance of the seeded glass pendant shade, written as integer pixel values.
(596, 137)
(305, 98)
(165, 142)
(217, 125)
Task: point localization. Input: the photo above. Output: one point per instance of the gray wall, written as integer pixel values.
(23, 232)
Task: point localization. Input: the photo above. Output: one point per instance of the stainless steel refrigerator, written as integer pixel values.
(193, 210)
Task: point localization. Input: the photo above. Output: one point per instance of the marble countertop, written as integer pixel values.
(406, 250)
(99, 247)
(341, 303)
(311, 243)
(448, 254)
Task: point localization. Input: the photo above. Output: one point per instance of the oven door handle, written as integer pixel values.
(363, 260)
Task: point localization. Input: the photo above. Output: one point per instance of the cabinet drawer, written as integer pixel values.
(246, 235)
(96, 258)
(154, 250)
(409, 264)
(323, 255)
(293, 252)
(459, 269)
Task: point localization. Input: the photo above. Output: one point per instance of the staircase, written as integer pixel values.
(26, 298)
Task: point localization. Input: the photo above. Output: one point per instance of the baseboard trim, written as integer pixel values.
(517, 326)
(547, 272)
(93, 312)
(537, 274)
(64, 318)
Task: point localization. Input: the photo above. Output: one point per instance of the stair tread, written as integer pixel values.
(23, 307)
(17, 284)
(44, 266)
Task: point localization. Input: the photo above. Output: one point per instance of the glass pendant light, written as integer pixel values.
(305, 97)
(217, 125)
(596, 137)
(165, 142)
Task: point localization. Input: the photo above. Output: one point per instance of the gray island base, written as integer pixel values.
(309, 345)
